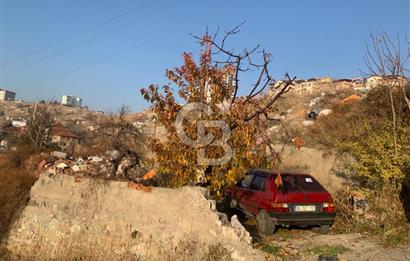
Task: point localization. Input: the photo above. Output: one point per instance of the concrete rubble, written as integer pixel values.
(4, 144)
(58, 154)
(307, 123)
(73, 217)
(324, 112)
(93, 166)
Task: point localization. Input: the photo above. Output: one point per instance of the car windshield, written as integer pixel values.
(301, 183)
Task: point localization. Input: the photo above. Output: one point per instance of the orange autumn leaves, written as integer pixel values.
(204, 81)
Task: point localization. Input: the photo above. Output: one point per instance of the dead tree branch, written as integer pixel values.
(242, 62)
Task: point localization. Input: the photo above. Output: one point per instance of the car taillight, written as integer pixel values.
(280, 207)
(328, 207)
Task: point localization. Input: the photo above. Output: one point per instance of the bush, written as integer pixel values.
(15, 184)
(378, 160)
(353, 121)
(382, 215)
(381, 168)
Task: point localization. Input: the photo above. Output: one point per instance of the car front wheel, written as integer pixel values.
(265, 224)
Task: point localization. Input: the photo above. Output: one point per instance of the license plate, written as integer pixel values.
(305, 208)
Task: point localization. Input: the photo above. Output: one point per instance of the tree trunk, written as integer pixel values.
(394, 120)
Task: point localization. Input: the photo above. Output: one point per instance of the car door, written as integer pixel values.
(244, 193)
(257, 188)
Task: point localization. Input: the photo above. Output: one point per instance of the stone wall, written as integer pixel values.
(69, 218)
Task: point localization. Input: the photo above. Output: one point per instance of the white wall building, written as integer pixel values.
(72, 101)
(6, 95)
(229, 80)
(19, 123)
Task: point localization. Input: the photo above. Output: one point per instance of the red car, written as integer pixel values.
(282, 198)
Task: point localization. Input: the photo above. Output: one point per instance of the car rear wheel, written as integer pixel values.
(323, 229)
(265, 224)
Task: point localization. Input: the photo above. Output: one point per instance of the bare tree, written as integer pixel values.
(258, 61)
(385, 58)
(39, 126)
(126, 141)
(243, 62)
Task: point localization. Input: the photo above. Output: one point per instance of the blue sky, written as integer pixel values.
(104, 50)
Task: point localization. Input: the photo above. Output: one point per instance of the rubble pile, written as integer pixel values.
(93, 166)
(74, 218)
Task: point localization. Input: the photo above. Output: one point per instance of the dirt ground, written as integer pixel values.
(304, 244)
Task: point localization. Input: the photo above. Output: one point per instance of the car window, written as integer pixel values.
(301, 183)
(246, 182)
(258, 183)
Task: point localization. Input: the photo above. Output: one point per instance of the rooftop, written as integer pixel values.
(59, 129)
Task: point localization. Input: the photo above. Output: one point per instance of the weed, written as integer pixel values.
(271, 249)
(328, 250)
(217, 252)
(389, 227)
(396, 236)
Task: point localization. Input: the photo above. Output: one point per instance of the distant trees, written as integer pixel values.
(216, 121)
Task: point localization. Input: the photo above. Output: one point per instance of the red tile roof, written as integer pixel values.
(62, 131)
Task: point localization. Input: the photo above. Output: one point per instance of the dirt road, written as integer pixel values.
(304, 244)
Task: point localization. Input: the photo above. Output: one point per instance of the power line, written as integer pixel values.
(90, 64)
(79, 44)
(111, 20)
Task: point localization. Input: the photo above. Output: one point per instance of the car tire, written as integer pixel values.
(265, 223)
(323, 229)
(229, 203)
(233, 203)
(316, 229)
(226, 201)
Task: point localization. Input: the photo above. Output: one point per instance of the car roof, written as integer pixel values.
(275, 172)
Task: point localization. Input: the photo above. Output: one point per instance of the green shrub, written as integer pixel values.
(379, 160)
(271, 249)
(381, 167)
(328, 250)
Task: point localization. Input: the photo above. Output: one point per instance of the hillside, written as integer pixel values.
(125, 206)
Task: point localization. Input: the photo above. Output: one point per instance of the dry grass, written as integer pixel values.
(353, 124)
(15, 184)
(86, 248)
(384, 216)
(347, 122)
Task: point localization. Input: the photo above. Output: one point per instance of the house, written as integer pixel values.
(71, 101)
(6, 95)
(311, 85)
(229, 81)
(63, 137)
(343, 84)
(390, 80)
